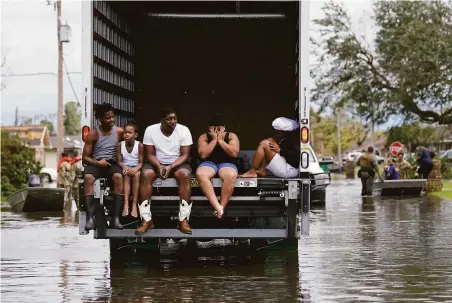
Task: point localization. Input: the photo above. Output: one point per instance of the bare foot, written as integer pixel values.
(125, 211)
(134, 212)
(261, 172)
(249, 174)
(219, 212)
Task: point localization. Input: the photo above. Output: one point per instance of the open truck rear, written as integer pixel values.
(246, 60)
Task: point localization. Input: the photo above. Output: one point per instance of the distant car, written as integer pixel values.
(319, 179)
(49, 177)
(447, 154)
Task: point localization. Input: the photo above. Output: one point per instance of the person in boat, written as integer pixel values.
(130, 159)
(425, 160)
(167, 148)
(34, 181)
(368, 167)
(392, 171)
(218, 149)
(65, 177)
(77, 173)
(100, 161)
(280, 154)
(404, 166)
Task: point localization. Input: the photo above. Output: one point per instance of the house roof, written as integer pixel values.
(33, 135)
(70, 142)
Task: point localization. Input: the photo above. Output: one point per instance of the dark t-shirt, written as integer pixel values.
(289, 151)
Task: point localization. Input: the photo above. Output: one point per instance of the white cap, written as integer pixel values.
(285, 124)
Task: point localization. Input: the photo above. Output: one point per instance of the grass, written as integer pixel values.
(446, 193)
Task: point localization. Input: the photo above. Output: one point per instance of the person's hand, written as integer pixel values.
(167, 171)
(160, 171)
(213, 133)
(221, 133)
(104, 164)
(274, 147)
(132, 172)
(125, 171)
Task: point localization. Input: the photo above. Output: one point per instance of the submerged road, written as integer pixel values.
(359, 250)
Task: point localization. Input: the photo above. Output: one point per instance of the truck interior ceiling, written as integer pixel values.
(201, 58)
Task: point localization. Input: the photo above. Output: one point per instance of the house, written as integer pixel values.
(45, 146)
(35, 136)
(71, 144)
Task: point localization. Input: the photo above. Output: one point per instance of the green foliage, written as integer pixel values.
(72, 119)
(413, 135)
(18, 162)
(407, 72)
(325, 129)
(49, 125)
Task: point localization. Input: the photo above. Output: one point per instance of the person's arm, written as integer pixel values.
(185, 145)
(87, 159)
(140, 156)
(120, 133)
(184, 155)
(149, 150)
(233, 147)
(124, 167)
(204, 148)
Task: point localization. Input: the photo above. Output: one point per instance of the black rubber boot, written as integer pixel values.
(90, 210)
(117, 211)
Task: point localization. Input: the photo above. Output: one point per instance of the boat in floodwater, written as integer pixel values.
(408, 187)
(37, 199)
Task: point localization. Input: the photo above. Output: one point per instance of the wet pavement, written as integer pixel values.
(359, 250)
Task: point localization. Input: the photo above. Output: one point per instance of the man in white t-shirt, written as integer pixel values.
(167, 148)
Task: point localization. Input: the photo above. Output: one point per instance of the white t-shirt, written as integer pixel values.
(167, 149)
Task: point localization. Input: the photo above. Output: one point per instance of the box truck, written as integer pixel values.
(248, 60)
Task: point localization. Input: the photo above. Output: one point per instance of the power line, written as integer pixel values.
(70, 82)
(35, 74)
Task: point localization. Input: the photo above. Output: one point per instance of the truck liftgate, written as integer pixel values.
(121, 68)
(261, 208)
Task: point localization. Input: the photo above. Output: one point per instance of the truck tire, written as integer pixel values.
(121, 251)
(281, 244)
(318, 197)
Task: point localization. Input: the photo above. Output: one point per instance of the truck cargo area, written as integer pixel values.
(240, 59)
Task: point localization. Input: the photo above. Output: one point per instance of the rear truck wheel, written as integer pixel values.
(318, 196)
(274, 244)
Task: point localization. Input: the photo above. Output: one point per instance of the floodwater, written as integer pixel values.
(359, 250)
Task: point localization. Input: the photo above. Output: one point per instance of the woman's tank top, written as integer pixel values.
(218, 155)
(130, 159)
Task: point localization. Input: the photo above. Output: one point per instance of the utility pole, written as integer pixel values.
(339, 152)
(60, 133)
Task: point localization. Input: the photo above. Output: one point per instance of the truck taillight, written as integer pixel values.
(85, 131)
(304, 135)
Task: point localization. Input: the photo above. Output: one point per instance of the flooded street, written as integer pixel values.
(365, 250)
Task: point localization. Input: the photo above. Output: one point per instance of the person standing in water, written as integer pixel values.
(130, 159)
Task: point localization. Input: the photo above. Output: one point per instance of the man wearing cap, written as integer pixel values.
(218, 149)
(280, 155)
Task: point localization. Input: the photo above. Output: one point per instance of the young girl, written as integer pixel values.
(130, 158)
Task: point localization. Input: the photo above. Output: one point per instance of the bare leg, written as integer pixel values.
(88, 185)
(263, 156)
(125, 211)
(135, 189)
(118, 183)
(183, 178)
(204, 174)
(228, 175)
(147, 178)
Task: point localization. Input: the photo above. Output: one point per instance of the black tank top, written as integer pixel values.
(218, 155)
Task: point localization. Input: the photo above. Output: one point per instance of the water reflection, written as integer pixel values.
(360, 249)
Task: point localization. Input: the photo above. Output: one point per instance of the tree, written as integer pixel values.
(72, 118)
(408, 71)
(413, 135)
(21, 164)
(49, 125)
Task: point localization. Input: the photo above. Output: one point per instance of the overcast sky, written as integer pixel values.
(29, 39)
